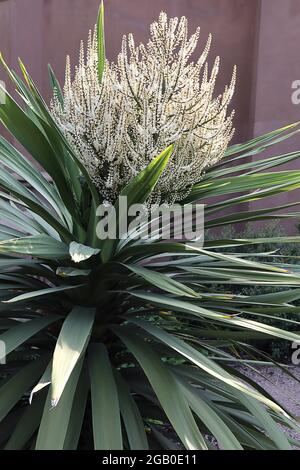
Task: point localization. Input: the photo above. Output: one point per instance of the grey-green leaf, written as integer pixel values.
(80, 252)
(105, 401)
(70, 346)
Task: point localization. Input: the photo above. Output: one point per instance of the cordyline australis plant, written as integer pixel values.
(110, 344)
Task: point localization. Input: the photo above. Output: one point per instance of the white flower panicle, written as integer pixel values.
(152, 97)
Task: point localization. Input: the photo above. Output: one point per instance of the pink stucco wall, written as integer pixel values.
(260, 36)
(42, 31)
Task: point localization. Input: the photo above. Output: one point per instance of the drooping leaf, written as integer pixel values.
(71, 272)
(17, 335)
(40, 246)
(39, 293)
(204, 362)
(105, 401)
(72, 341)
(210, 418)
(78, 411)
(44, 381)
(16, 386)
(54, 425)
(134, 425)
(27, 424)
(80, 252)
(163, 282)
(166, 389)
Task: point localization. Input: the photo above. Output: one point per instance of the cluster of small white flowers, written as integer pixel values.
(152, 97)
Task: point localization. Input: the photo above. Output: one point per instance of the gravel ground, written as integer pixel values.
(283, 388)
